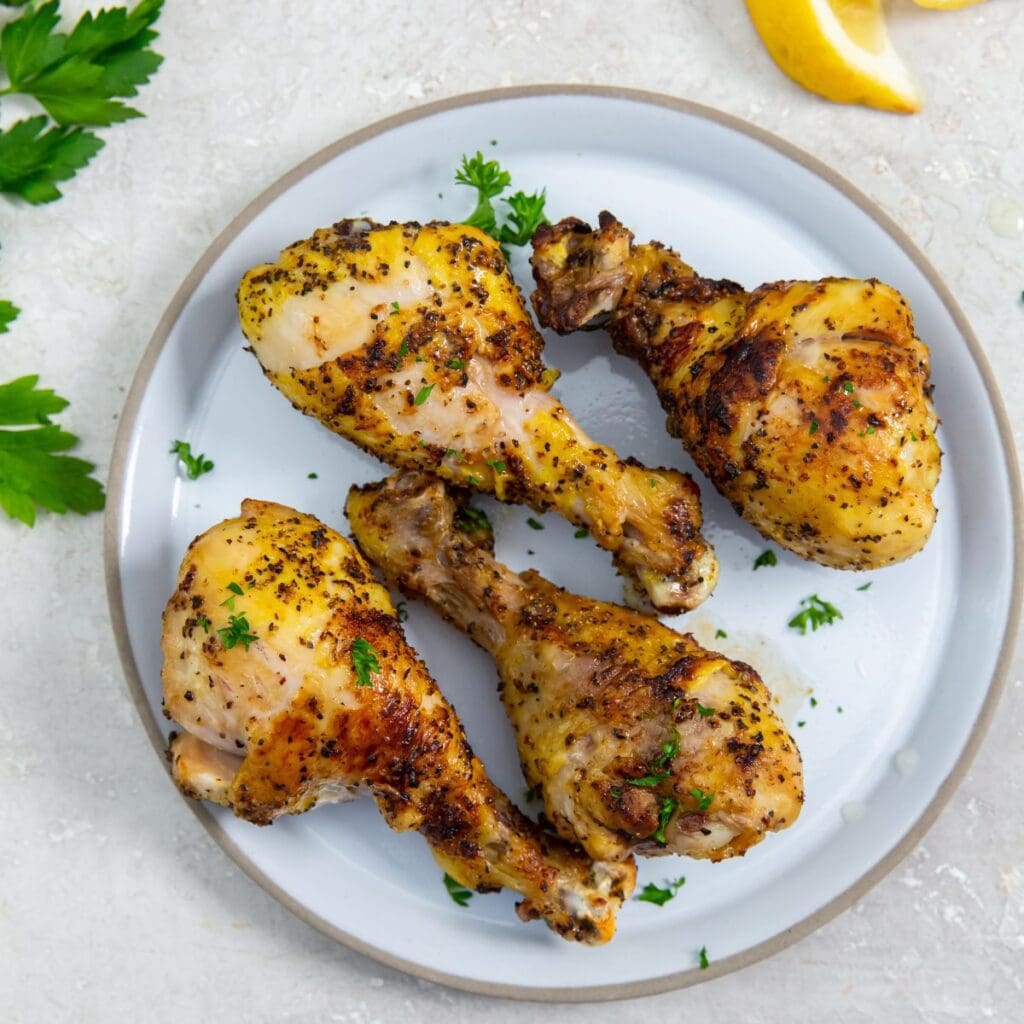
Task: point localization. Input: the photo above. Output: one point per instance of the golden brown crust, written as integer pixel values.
(807, 403)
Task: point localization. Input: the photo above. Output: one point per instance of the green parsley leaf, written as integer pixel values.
(704, 958)
(530, 795)
(526, 214)
(848, 387)
(703, 799)
(648, 781)
(703, 711)
(423, 394)
(403, 349)
(473, 481)
(489, 180)
(721, 634)
(401, 611)
(455, 364)
(236, 632)
(814, 613)
(665, 811)
(230, 602)
(395, 309)
(312, 476)
(32, 160)
(498, 465)
(659, 896)
(814, 427)
(235, 588)
(581, 533)
(472, 520)
(866, 586)
(765, 558)
(458, 892)
(30, 474)
(8, 314)
(195, 465)
(77, 77)
(533, 524)
(669, 749)
(203, 623)
(814, 702)
(450, 453)
(364, 661)
(800, 725)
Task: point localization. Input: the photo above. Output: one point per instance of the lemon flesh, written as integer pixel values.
(839, 49)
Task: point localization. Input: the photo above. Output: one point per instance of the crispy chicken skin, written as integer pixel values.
(275, 718)
(805, 402)
(415, 343)
(638, 738)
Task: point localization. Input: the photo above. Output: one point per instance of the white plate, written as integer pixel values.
(904, 684)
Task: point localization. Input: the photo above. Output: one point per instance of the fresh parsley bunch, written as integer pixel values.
(490, 179)
(79, 78)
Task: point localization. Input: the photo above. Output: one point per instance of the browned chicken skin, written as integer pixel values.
(638, 738)
(805, 402)
(291, 679)
(414, 342)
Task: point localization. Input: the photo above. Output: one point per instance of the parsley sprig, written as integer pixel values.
(659, 895)
(8, 314)
(32, 474)
(237, 631)
(490, 179)
(814, 613)
(79, 78)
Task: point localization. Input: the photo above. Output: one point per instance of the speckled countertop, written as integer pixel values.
(114, 903)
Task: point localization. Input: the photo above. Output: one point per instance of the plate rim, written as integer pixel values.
(113, 521)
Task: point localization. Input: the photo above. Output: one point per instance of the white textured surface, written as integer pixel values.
(113, 902)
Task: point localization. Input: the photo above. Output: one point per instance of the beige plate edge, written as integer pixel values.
(693, 975)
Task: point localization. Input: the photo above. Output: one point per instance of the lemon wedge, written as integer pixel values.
(947, 5)
(839, 49)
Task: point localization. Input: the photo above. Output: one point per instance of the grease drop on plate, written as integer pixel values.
(906, 761)
(1006, 217)
(854, 811)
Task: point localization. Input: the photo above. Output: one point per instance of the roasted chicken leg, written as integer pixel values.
(287, 670)
(638, 738)
(805, 402)
(415, 343)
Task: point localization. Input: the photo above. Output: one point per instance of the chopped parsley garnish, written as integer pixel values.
(703, 799)
(450, 453)
(800, 725)
(458, 892)
(203, 623)
(472, 520)
(669, 749)
(498, 465)
(814, 613)
(473, 481)
(659, 896)
(839, 710)
(403, 349)
(312, 476)
(395, 309)
(848, 387)
(653, 779)
(423, 394)
(677, 703)
(401, 611)
(31, 474)
(581, 533)
(533, 524)
(653, 482)
(703, 711)
(525, 211)
(665, 811)
(455, 364)
(195, 465)
(814, 702)
(866, 586)
(530, 795)
(721, 633)
(236, 591)
(364, 661)
(236, 632)
(814, 427)
(704, 958)
(913, 436)
(766, 558)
